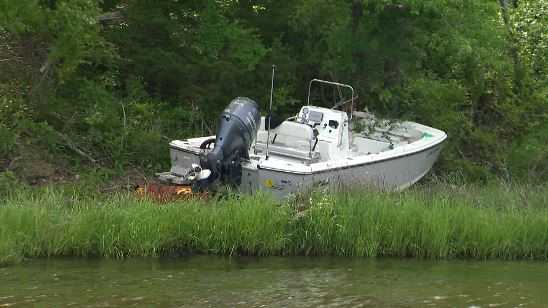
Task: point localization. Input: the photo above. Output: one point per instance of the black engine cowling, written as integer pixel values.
(236, 130)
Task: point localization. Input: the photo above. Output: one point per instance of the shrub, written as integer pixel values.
(8, 183)
(8, 139)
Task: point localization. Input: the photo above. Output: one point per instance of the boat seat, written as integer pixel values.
(294, 134)
(290, 139)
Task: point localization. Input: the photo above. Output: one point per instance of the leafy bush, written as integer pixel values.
(8, 140)
(120, 89)
(529, 156)
(8, 183)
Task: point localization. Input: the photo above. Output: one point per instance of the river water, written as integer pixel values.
(203, 281)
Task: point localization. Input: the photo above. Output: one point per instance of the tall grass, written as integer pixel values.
(444, 222)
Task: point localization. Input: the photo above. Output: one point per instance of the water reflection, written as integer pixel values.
(273, 282)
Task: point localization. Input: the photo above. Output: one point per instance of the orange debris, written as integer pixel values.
(166, 193)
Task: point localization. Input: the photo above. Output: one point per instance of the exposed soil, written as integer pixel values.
(34, 166)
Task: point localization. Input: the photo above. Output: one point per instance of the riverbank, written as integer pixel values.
(442, 222)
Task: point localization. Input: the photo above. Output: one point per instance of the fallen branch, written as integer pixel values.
(71, 145)
(12, 163)
(45, 71)
(342, 103)
(110, 17)
(11, 59)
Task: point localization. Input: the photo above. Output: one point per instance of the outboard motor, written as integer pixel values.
(236, 130)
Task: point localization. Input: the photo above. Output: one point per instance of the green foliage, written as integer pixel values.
(530, 20)
(120, 88)
(529, 156)
(20, 16)
(8, 140)
(77, 37)
(70, 29)
(409, 60)
(8, 183)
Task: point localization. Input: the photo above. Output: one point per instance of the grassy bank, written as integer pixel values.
(443, 222)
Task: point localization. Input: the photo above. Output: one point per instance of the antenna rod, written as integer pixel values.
(270, 109)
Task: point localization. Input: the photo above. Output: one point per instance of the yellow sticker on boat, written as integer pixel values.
(269, 183)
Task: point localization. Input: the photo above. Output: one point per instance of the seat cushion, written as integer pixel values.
(289, 139)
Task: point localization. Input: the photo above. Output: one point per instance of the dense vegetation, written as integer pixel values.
(495, 222)
(105, 84)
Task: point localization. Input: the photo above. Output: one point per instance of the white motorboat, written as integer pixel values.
(318, 146)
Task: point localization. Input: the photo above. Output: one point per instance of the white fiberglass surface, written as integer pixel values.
(432, 137)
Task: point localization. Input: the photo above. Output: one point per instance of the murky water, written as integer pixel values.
(273, 282)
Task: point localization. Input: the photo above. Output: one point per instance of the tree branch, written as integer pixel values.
(110, 17)
(71, 145)
(10, 59)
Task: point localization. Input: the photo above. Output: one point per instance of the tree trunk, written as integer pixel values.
(357, 13)
(357, 54)
(505, 6)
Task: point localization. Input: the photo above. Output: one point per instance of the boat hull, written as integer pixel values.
(394, 173)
